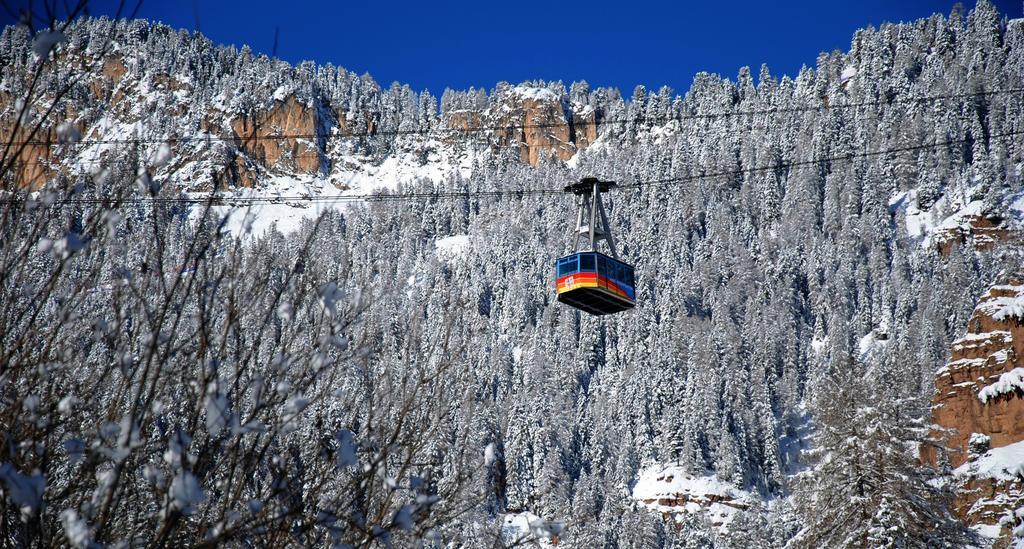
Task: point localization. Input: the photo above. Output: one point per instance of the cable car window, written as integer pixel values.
(587, 263)
(602, 265)
(567, 266)
(629, 278)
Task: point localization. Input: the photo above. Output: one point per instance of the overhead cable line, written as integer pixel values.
(450, 195)
(478, 129)
(317, 154)
(816, 161)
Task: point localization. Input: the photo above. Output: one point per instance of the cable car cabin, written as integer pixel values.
(595, 283)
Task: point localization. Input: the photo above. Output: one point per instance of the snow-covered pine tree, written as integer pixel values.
(867, 487)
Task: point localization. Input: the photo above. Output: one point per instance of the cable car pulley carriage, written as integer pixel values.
(588, 279)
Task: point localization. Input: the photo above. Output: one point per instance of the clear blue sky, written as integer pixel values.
(437, 44)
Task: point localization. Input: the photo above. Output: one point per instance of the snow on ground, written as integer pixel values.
(1004, 463)
(357, 172)
(962, 363)
(517, 528)
(866, 343)
(990, 531)
(1008, 383)
(919, 223)
(351, 174)
(925, 224)
(669, 489)
(959, 218)
(452, 247)
(281, 93)
(101, 141)
(353, 177)
(286, 213)
(1005, 306)
(818, 345)
(973, 341)
(671, 481)
(869, 344)
(528, 92)
(664, 131)
(1000, 339)
(593, 150)
(1018, 205)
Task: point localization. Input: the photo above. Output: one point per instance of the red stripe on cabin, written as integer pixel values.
(579, 277)
(574, 280)
(591, 279)
(614, 287)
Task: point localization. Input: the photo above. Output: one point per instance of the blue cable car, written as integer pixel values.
(590, 280)
(595, 283)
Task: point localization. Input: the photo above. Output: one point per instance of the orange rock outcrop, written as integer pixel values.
(978, 395)
(982, 231)
(533, 120)
(584, 126)
(281, 136)
(291, 135)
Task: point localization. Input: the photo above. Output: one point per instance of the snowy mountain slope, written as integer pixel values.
(758, 290)
(957, 218)
(247, 123)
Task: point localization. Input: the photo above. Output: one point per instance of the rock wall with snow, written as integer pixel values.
(239, 122)
(980, 231)
(979, 408)
(673, 492)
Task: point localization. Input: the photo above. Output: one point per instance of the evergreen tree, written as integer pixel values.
(867, 487)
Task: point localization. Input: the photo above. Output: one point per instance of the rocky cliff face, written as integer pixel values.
(537, 124)
(983, 232)
(283, 132)
(536, 121)
(33, 163)
(670, 491)
(979, 406)
(285, 136)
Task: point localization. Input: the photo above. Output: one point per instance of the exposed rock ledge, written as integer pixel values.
(979, 410)
(669, 490)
